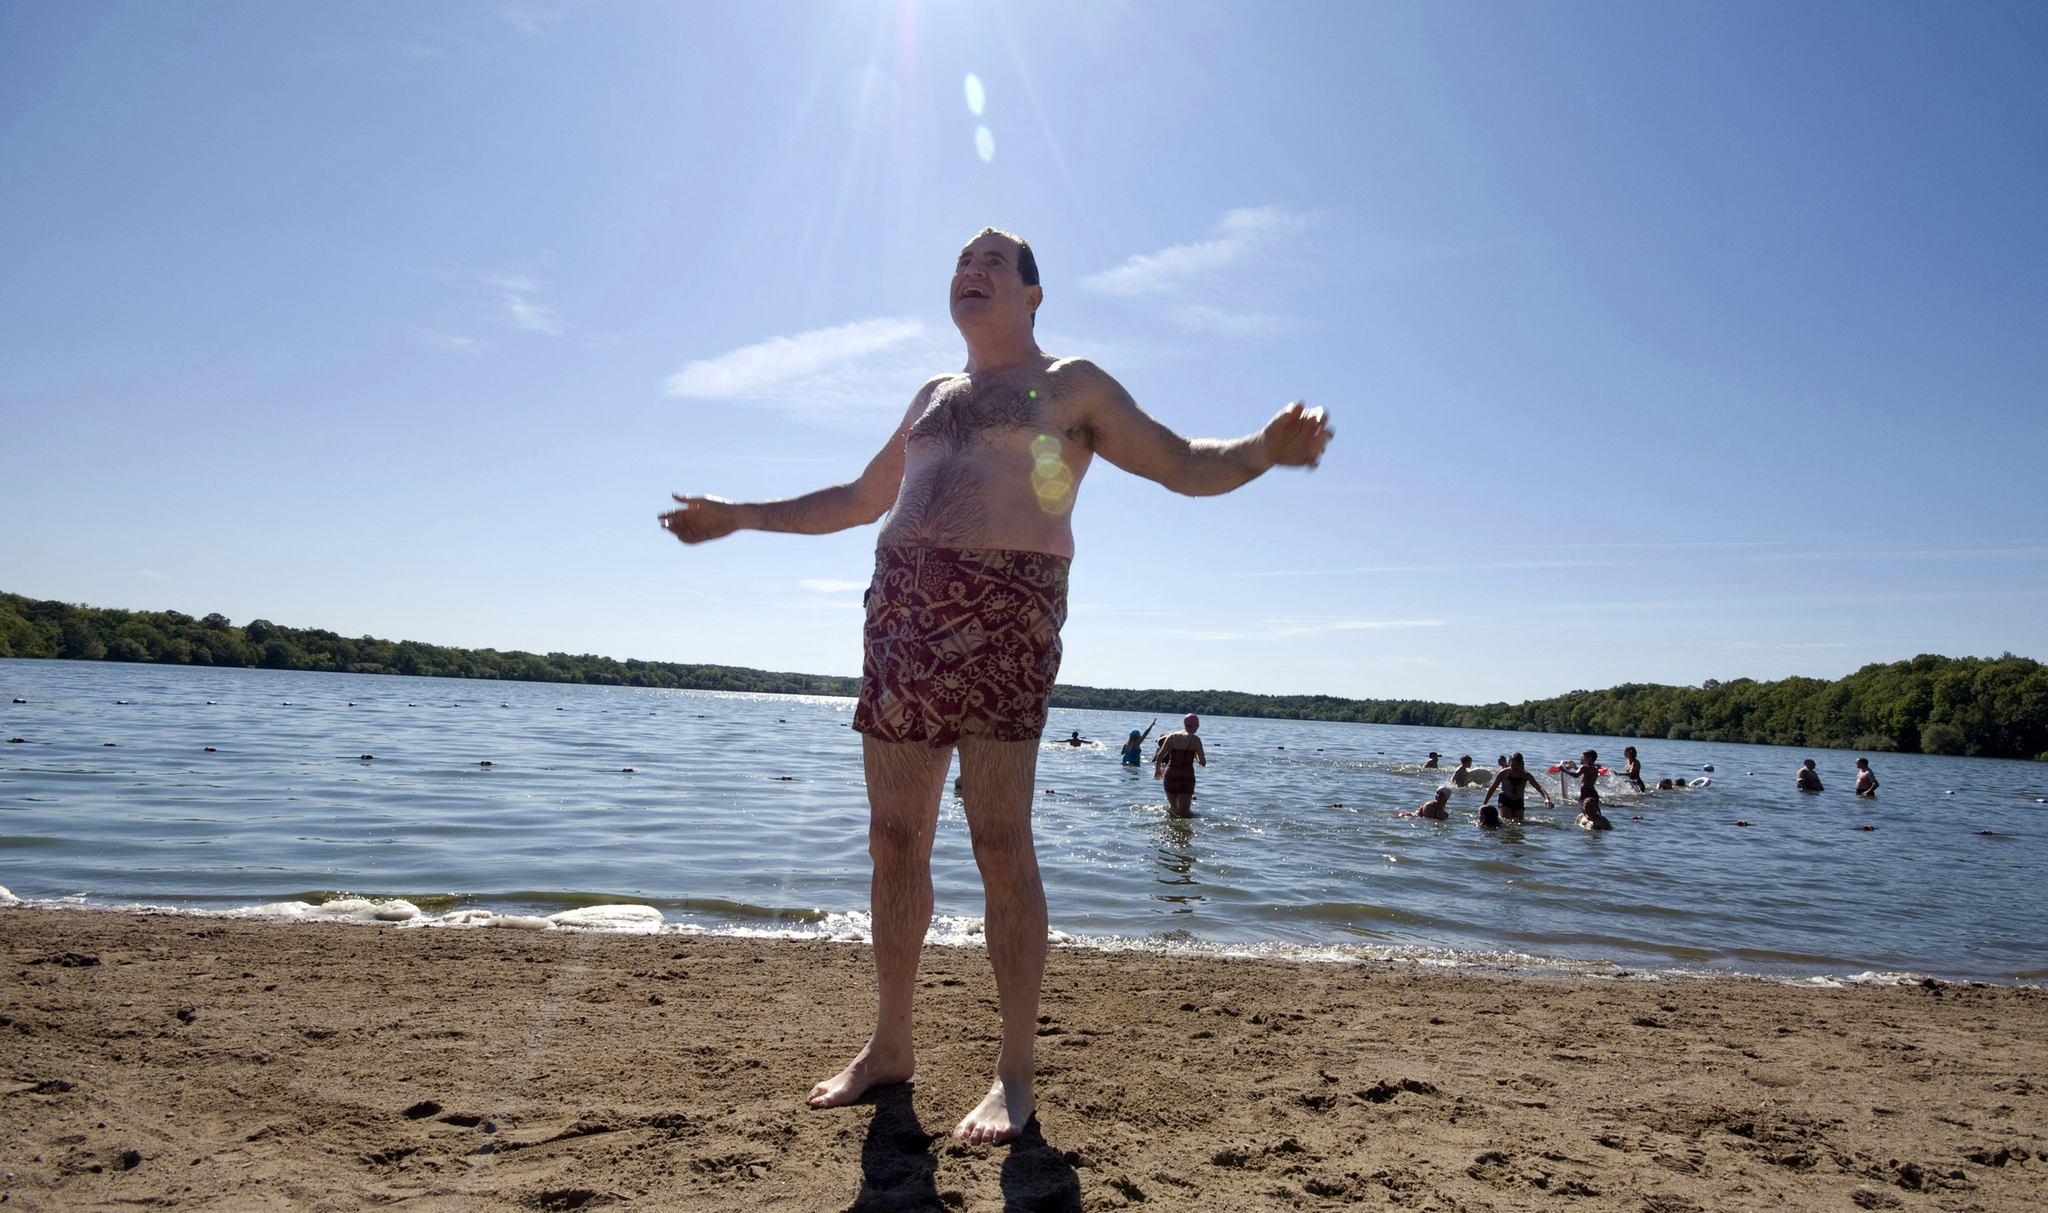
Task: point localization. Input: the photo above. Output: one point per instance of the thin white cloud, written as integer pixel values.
(531, 316)
(1227, 324)
(521, 312)
(876, 363)
(1176, 268)
(451, 341)
(828, 585)
(1278, 629)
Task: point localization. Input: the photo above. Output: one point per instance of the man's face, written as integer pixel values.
(987, 288)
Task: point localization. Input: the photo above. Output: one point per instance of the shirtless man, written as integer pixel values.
(1434, 808)
(1866, 780)
(1809, 779)
(1514, 780)
(1464, 775)
(962, 633)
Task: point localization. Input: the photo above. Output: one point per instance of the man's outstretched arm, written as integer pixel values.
(1137, 442)
(855, 503)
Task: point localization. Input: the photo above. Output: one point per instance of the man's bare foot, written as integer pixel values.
(869, 1069)
(1001, 1115)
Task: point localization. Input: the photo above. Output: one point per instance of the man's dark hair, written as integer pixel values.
(1027, 262)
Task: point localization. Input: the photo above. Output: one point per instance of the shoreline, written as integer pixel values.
(953, 931)
(214, 1062)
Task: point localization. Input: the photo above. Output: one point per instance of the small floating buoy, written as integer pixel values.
(212, 703)
(412, 705)
(1279, 747)
(1984, 831)
(507, 705)
(782, 779)
(1866, 827)
(1948, 793)
(625, 770)
(106, 743)
(1637, 817)
(211, 750)
(1708, 766)
(287, 703)
(367, 757)
(1338, 805)
(21, 701)
(120, 701)
(486, 762)
(1742, 823)
(351, 703)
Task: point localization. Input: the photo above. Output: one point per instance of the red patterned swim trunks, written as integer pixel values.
(960, 642)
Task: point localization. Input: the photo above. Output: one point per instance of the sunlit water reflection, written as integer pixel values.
(746, 812)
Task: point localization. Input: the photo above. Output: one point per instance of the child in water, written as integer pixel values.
(1434, 808)
(1590, 816)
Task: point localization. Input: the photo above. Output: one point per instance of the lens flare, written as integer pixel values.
(977, 96)
(984, 144)
(1050, 478)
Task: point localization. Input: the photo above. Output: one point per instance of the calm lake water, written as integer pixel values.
(745, 813)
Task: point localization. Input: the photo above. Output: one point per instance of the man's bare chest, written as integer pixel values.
(964, 412)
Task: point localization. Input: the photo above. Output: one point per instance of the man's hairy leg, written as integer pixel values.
(905, 781)
(997, 782)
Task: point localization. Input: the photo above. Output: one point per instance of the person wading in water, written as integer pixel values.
(1176, 759)
(962, 639)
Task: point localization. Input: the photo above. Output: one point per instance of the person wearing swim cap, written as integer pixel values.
(1134, 745)
(1174, 763)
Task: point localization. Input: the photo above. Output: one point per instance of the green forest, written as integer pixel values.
(1936, 705)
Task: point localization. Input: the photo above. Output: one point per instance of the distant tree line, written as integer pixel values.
(29, 628)
(1935, 705)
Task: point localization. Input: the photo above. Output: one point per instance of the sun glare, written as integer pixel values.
(977, 97)
(984, 143)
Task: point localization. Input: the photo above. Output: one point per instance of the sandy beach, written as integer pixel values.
(200, 1063)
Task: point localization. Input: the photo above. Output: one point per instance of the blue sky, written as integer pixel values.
(1664, 342)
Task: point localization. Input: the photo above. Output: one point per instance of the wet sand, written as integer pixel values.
(187, 1063)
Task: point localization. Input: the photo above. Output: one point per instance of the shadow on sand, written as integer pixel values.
(899, 1171)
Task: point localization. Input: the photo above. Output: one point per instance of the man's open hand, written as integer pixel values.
(1297, 435)
(700, 518)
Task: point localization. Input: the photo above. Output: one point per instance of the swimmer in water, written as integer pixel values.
(1464, 775)
(1174, 764)
(1489, 817)
(1590, 816)
(1866, 780)
(1513, 781)
(1633, 771)
(1134, 745)
(1809, 779)
(1665, 785)
(1431, 764)
(1076, 739)
(1434, 807)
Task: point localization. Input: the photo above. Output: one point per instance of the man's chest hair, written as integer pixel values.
(967, 408)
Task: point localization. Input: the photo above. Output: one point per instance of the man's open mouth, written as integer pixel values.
(973, 292)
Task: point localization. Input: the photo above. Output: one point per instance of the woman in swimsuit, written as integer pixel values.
(1175, 764)
(1633, 771)
(1513, 781)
